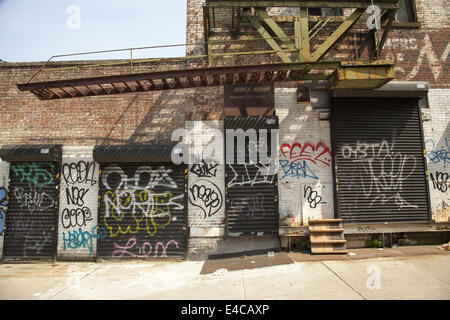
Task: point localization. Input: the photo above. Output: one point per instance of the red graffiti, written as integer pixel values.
(309, 152)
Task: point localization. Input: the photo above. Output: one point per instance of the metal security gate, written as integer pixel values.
(32, 212)
(142, 210)
(379, 160)
(251, 188)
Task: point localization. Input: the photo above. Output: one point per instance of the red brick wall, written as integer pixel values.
(109, 119)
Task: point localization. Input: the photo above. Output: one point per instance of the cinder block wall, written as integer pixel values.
(305, 182)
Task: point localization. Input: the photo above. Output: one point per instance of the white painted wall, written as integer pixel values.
(78, 206)
(305, 161)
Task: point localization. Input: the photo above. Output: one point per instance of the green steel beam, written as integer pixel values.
(305, 50)
(264, 17)
(263, 32)
(337, 34)
(380, 45)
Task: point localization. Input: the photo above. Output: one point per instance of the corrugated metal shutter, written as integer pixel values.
(31, 217)
(251, 189)
(379, 160)
(143, 211)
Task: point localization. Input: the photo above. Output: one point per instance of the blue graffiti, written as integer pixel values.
(82, 239)
(2, 209)
(436, 156)
(298, 169)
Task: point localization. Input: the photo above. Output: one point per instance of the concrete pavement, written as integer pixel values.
(403, 277)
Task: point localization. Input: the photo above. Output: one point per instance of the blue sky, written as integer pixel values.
(33, 30)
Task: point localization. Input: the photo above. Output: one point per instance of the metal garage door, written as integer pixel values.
(251, 189)
(379, 160)
(143, 210)
(32, 210)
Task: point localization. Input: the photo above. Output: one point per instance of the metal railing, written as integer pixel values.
(210, 54)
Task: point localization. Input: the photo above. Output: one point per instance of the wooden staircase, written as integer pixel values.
(327, 236)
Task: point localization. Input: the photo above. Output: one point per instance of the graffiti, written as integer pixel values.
(40, 177)
(81, 239)
(33, 200)
(75, 195)
(205, 169)
(143, 251)
(382, 171)
(262, 174)
(440, 181)
(3, 204)
(438, 156)
(366, 229)
(130, 204)
(403, 50)
(251, 205)
(144, 178)
(77, 220)
(316, 153)
(36, 241)
(79, 172)
(297, 170)
(75, 217)
(207, 196)
(311, 196)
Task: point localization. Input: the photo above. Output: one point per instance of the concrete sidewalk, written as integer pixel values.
(407, 276)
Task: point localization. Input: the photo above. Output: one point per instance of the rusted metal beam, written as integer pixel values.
(245, 74)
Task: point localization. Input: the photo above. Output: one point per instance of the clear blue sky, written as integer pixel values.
(33, 30)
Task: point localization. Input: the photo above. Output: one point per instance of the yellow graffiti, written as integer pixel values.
(143, 209)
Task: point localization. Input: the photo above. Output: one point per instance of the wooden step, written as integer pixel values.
(328, 241)
(326, 230)
(325, 221)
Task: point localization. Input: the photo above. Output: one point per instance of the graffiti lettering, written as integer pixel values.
(144, 251)
(75, 217)
(366, 228)
(81, 239)
(75, 195)
(207, 196)
(263, 174)
(205, 169)
(33, 200)
(251, 205)
(33, 173)
(297, 170)
(144, 178)
(438, 155)
(382, 170)
(316, 153)
(79, 172)
(311, 196)
(3, 204)
(440, 181)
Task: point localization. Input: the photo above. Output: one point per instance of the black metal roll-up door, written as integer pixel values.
(379, 160)
(142, 211)
(31, 217)
(251, 188)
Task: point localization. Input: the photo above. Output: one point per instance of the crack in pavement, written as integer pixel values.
(77, 282)
(343, 280)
